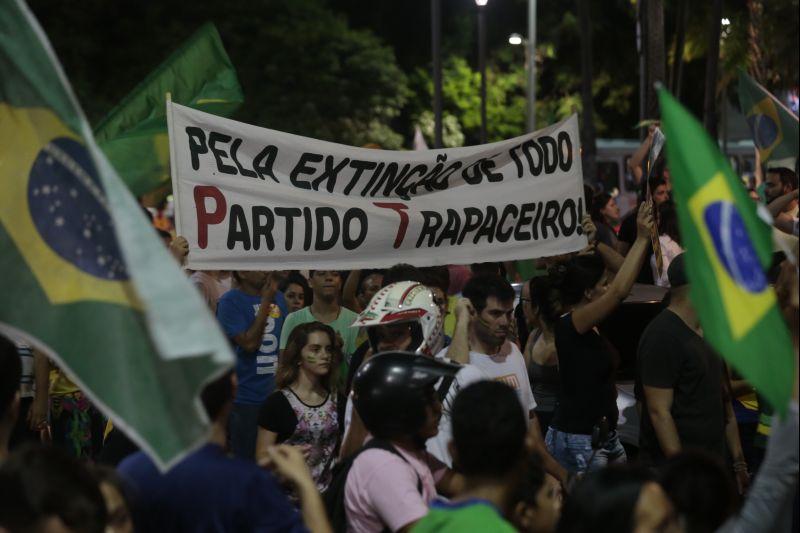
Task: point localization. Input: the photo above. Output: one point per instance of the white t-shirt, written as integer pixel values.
(507, 366)
(669, 251)
(437, 446)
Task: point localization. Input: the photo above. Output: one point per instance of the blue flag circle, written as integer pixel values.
(68, 207)
(733, 246)
(765, 130)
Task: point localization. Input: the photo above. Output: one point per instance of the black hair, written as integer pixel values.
(700, 488)
(604, 501)
(787, 176)
(668, 221)
(164, 234)
(570, 281)
(530, 483)
(438, 276)
(656, 182)
(542, 292)
(295, 278)
(10, 373)
(42, 482)
(479, 288)
(486, 269)
(489, 430)
(338, 273)
(217, 394)
(599, 201)
(403, 272)
(364, 275)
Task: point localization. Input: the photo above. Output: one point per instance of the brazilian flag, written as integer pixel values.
(728, 247)
(83, 276)
(774, 127)
(133, 135)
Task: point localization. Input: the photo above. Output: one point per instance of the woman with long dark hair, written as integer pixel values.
(587, 397)
(540, 353)
(302, 411)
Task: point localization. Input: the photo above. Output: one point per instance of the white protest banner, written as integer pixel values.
(250, 198)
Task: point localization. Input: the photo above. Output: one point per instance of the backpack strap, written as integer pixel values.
(444, 387)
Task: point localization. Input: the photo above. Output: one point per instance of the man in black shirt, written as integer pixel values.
(686, 403)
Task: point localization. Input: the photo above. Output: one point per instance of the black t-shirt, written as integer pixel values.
(672, 356)
(586, 367)
(627, 233)
(606, 235)
(277, 415)
(355, 363)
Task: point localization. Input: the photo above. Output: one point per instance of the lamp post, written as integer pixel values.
(530, 47)
(515, 39)
(482, 62)
(436, 49)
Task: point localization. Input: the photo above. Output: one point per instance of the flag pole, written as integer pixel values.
(170, 136)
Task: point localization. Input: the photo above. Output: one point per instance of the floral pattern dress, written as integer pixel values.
(317, 433)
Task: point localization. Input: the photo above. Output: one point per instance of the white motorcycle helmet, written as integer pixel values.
(405, 301)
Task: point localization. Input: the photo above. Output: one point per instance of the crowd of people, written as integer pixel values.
(434, 399)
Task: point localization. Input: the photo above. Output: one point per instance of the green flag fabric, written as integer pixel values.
(774, 127)
(728, 246)
(83, 275)
(134, 134)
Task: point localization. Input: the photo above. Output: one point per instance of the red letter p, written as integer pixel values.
(204, 218)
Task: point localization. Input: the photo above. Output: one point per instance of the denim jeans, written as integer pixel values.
(243, 430)
(573, 451)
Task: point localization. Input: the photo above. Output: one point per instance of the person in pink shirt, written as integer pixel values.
(393, 479)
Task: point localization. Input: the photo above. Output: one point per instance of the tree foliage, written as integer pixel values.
(303, 69)
(356, 72)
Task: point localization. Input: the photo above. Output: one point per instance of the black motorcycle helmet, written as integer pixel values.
(392, 390)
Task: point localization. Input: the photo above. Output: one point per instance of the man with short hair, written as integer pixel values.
(488, 449)
(686, 401)
(209, 491)
(489, 309)
(325, 285)
(780, 190)
(778, 182)
(483, 324)
(252, 316)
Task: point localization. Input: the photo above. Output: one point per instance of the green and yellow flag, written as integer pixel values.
(83, 276)
(133, 136)
(728, 247)
(774, 127)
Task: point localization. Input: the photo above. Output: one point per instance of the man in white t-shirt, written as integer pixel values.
(484, 319)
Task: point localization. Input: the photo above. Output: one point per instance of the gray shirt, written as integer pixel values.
(768, 507)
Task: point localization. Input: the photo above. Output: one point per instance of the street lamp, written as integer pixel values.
(515, 39)
(482, 62)
(530, 63)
